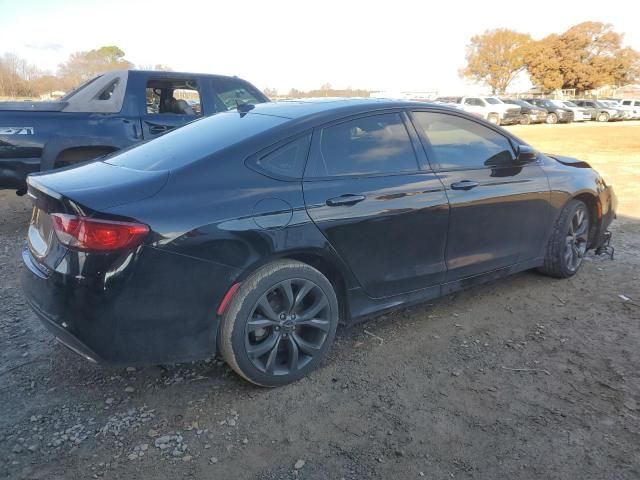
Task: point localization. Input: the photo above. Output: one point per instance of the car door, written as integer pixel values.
(169, 103)
(368, 189)
(500, 210)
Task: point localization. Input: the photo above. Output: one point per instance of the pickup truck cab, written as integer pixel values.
(491, 109)
(108, 113)
(635, 104)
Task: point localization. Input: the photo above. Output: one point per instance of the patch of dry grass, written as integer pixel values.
(611, 148)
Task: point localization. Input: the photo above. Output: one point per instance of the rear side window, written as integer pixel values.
(194, 141)
(286, 161)
(458, 143)
(377, 144)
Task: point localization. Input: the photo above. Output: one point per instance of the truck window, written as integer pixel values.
(172, 96)
(232, 93)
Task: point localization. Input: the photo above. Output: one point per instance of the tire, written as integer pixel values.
(603, 117)
(271, 341)
(494, 118)
(570, 234)
(552, 118)
(525, 119)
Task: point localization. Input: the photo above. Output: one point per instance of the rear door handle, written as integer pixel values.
(159, 128)
(464, 185)
(345, 200)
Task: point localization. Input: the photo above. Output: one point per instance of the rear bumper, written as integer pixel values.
(157, 308)
(14, 171)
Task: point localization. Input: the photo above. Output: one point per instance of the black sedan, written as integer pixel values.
(253, 233)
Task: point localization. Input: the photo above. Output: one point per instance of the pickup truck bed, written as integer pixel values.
(108, 113)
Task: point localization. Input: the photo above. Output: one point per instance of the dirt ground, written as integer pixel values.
(524, 378)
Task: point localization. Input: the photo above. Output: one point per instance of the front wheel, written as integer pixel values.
(494, 118)
(552, 118)
(525, 119)
(280, 324)
(603, 117)
(569, 241)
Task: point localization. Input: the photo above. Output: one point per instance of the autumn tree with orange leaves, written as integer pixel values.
(496, 57)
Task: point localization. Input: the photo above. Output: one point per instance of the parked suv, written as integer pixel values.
(635, 104)
(528, 113)
(580, 114)
(555, 113)
(604, 113)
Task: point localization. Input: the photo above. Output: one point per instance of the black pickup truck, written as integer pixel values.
(108, 113)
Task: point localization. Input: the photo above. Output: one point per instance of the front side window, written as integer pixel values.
(377, 144)
(458, 143)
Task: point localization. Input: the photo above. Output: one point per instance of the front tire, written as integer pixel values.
(280, 324)
(569, 241)
(525, 119)
(494, 118)
(552, 118)
(603, 117)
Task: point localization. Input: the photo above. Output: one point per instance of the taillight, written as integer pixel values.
(90, 234)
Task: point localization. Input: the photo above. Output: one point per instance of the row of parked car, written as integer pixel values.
(525, 111)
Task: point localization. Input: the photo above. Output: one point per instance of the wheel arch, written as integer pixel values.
(592, 202)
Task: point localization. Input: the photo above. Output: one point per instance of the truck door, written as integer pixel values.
(169, 103)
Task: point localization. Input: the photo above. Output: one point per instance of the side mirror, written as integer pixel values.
(526, 154)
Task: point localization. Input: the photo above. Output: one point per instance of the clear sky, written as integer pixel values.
(391, 45)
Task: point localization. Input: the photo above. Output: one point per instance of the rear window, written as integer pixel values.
(194, 141)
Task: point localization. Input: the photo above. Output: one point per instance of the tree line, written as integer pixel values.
(586, 56)
(19, 78)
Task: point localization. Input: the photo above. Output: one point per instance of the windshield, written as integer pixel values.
(557, 103)
(570, 104)
(492, 100)
(194, 141)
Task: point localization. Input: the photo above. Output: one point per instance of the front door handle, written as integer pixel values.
(464, 185)
(345, 200)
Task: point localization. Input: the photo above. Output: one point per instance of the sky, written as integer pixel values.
(390, 46)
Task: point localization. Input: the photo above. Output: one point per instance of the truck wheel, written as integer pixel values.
(280, 324)
(552, 118)
(569, 241)
(603, 117)
(494, 118)
(525, 119)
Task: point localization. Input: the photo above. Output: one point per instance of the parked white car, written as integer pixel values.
(632, 103)
(580, 114)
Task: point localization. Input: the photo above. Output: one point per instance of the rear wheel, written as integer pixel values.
(569, 241)
(280, 324)
(552, 118)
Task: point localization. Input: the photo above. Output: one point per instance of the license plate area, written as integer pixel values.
(40, 235)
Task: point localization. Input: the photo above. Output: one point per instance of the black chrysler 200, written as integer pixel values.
(255, 232)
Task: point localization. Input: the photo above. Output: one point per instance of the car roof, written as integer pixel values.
(171, 74)
(329, 107)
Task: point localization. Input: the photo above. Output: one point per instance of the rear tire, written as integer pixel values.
(552, 118)
(280, 324)
(568, 242)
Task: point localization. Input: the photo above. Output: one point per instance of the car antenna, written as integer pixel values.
(244, 108)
